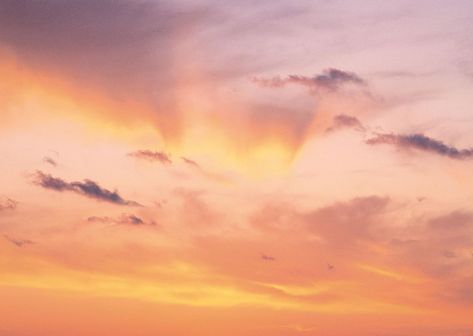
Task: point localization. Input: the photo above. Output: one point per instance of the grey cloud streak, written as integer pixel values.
(421, 142)
(330, 79)
(86, 188)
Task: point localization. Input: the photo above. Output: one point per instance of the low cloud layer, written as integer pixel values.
(86, 188)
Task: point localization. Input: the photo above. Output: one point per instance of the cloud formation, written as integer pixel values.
(346, 121)
(7, 204)
(330, 79)
(86, 188)
(124, 219)
(421, 142)
(152, 156)
(50, 161)
(266, 257)
(18, 242)
(190, 162)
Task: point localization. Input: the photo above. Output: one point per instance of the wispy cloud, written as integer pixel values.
(421, 142)
(50, 161)
(87, 188)
(153, 156)
(7, 204)
(190, 162)
(18, 242)
(124, 219)
(330, 79)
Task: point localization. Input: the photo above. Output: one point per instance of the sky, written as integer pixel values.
(256, 168)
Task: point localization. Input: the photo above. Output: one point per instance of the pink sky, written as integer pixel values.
(236, 168)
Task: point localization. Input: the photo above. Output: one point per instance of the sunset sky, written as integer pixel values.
(236, 168)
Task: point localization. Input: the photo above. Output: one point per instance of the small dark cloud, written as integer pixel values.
(190, 162)
(99, 219)
(50, 161)
(7, 204)
(124, 219)
(330, 79)
(19, 242)
(152, 156)
(87, 188)
(267, 257)
(423, 143)
(346, 121)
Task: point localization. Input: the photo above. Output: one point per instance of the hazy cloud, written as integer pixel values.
(18, 242)
(87, 188)
(346, 223)
(7, 204)
(266, 257)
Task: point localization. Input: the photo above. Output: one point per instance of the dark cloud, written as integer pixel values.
(421, 142)
(267, 257)
(87, 188)
(330, 79)
(7, 204)
(346, 121)
(50, 161)
(124, 219)
(152, 156)
(113, 43)
(19, 242)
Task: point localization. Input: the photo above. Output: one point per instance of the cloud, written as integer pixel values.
(267, 257)
(19, 242)
(50, 161)
(346, 223)
(190, 162)
(87, 188)
(346, 121)
(421, 142)
(7, 204)
(151, 156)
(112, 43)
(124, 219)
(330, 79)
